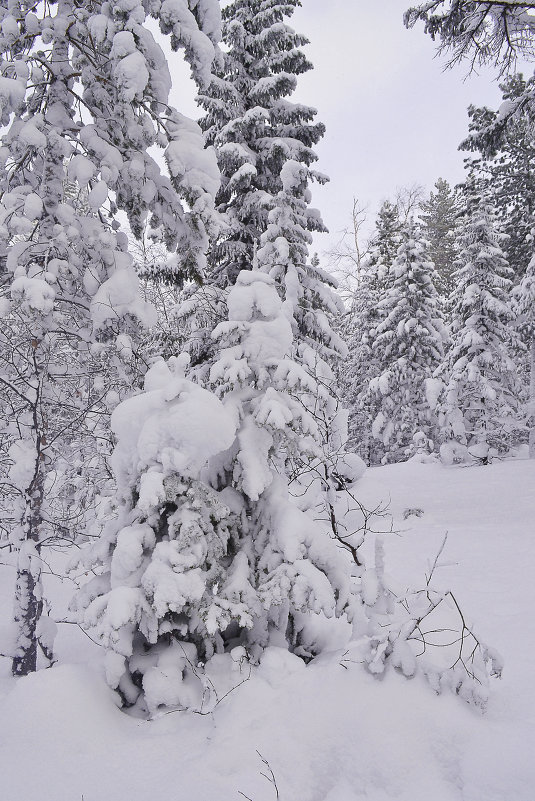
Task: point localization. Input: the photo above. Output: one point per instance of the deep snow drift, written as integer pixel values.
(329, 730)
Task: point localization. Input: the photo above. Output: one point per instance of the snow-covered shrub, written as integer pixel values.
(419, 631)
(421, 448)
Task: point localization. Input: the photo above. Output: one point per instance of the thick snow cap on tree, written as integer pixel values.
(194, 25)
(174, 426)
(119, 296)
(189, 161)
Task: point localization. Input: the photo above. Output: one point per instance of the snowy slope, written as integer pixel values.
(330, 731)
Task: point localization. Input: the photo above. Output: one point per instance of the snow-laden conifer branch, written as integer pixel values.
(495, 31)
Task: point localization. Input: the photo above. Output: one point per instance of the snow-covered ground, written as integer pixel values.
(328, 731)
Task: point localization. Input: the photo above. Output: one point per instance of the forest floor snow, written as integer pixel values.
(328, 731)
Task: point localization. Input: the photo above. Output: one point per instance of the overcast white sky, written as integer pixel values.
(394, 116)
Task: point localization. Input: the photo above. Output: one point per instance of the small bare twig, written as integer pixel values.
(267, 774)
(219, 700)
(270, 776)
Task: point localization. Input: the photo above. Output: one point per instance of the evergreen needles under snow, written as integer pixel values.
(409, 346)
(478, 406)
(254, 127)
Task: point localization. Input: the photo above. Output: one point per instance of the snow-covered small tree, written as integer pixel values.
(295, 567)
(478, 406)
(409, 346)
(209, 552)
(281, 568)
(438, 216)
(360, 325)
(155, 604)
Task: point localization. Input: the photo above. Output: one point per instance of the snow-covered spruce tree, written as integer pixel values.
(71, 278)
(275, 388)
(159, 603)
(478, 407)
(214, 553)
(438, 216)
(524, 308)
(254, 127)
(362, 319)
(504, 157)
(409, 347)
(306, 289)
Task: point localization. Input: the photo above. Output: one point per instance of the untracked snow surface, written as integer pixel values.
(329, 731)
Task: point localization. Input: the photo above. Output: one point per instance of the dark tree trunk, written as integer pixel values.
(28, 610)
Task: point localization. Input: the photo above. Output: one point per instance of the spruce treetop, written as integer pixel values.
(254, 126)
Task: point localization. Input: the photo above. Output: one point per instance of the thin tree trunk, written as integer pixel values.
(28, 609)
(28, 606)
(531, 422)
